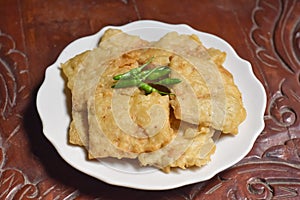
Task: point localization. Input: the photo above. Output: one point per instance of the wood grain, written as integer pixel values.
(33, 33)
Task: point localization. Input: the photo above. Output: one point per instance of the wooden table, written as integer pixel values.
(32, 35)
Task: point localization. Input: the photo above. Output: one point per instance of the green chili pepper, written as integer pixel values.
(149, 89)
(136, 77)
(134, 81)
(123, 83)
(146, 87)
(168, 81)
(133, 71)
(159, 73)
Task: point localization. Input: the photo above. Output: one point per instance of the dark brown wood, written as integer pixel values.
(33, 33)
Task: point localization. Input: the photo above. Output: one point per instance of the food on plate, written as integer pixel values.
(160, 102)
(80, 72)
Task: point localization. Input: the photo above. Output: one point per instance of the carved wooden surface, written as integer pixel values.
(33, 33)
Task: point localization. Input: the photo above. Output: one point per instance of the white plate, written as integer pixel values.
(51, 104)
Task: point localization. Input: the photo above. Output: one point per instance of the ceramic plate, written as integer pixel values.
(51, 104)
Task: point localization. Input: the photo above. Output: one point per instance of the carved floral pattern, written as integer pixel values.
(275, 175)
(256, 178)
(275, 48)
(13, 75)
(13, 82)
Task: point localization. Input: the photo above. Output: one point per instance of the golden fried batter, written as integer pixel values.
(208, 95)
(82, 74)
(161, 131)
